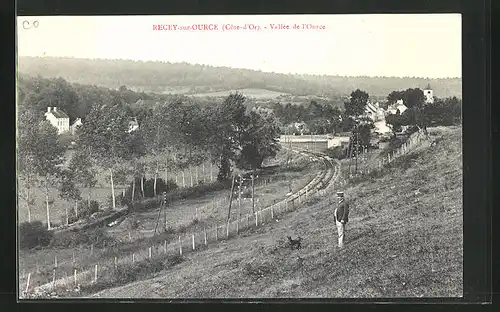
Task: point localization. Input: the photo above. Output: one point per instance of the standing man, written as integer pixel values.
(341, 217)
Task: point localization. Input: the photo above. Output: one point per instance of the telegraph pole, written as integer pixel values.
(230, 200)
(239, 197)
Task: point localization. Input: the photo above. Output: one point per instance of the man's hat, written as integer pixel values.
(340, 194)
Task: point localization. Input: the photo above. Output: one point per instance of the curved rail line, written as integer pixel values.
(320, 182)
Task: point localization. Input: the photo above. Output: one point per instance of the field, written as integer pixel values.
(250, 93)
(404, 239)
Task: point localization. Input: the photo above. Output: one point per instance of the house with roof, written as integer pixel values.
(374, 111)
(395, 107)
(58, 119)
(75, 125)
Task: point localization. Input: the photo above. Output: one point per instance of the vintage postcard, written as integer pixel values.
(240, 156)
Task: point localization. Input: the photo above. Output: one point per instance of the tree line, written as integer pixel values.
(196, 78)
(171, 136)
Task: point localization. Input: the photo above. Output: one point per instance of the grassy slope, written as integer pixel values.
(404, 238)
(180, 215)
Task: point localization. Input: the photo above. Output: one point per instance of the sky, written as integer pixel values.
(414, 45)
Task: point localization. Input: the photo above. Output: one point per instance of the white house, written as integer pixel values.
(394, 108)
(76, 124)
(133, 124)
(374, 111)
(429, 94)
(58, 119)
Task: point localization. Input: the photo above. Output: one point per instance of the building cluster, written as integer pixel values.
(61, 121)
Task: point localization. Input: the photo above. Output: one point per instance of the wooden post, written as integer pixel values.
(74, 277)
(191, 175)
(256, 220)
(211, 174)
(253, 200)
(227, 229)
(165, 246)
(183, 179)
(194, 247)
(149, 252)
(129, 236)
(205, 235)
(216, 233)
(203, 170)
(67, 216)
(28, 283)
(180, 246)
(73, 258)
(230, 199)
(92, 249)
(133, 257)
(55, 261)
(54, 279)
(197, 213)
(272, 213)
(95, 274)
(239, 205)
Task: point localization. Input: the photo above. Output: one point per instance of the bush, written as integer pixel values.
(33, 234)
(337, 152)
(86, 210)
(96, 236)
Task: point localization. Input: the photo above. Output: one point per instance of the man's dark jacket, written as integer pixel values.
(342, 212)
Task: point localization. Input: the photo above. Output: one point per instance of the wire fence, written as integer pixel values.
(67, 275)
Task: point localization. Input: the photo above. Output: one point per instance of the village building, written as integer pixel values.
(75, 125)
(397, 106)
(429, 94)
(58, 119)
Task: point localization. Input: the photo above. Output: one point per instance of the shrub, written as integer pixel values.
(86, 210)
(33, 234)
(96, 236)
(337, 152)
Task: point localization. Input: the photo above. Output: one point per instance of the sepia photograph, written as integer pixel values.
(239, 156)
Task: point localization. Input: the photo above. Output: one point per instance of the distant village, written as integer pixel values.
(373, 110)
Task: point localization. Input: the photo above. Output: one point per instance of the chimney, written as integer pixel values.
(48, 109)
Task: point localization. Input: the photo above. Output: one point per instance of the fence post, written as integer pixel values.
(205, 235)
(165, 246)
(74, 277)
(116, 263)
(92, 249)
(216, 233)
(256, 219)
(192, 236)
(95, 274)
(73, 258)
(227, 229)
(27, 283)
(54, 279)
(149, 250)
(133, 257)
(272, 212)
(55, 261)
(180, 246)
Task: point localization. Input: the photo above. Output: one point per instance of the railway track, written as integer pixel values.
(324, 179)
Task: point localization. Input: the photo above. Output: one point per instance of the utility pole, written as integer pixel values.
(239, 197)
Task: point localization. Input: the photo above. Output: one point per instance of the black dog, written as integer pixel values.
(294, 242)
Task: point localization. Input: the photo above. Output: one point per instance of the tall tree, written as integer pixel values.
(39, 151)
(356, 105)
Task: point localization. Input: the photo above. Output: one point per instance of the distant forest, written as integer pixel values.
(188, 79)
